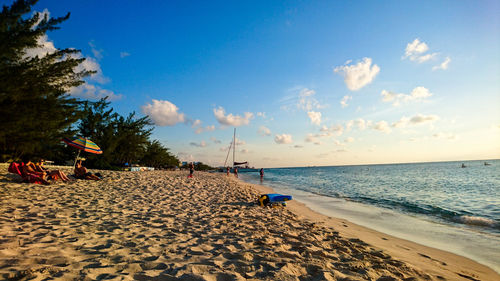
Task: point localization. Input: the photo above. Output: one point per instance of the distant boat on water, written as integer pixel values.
(463, 165)
(486, 164)
(243, 167)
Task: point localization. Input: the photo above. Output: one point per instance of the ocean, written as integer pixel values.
(439, 204)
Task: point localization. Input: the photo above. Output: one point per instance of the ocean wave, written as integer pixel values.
(479, 221)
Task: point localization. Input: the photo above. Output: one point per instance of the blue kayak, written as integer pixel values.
(275, 197)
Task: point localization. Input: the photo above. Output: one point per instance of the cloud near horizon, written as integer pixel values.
(163, 113)
(230, 119)
(283, 139)
(356, 76)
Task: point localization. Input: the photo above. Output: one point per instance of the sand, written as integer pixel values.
(160, 225)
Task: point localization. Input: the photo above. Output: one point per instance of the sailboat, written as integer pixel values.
(242, 166)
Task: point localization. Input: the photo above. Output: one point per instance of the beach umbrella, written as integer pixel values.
(82, 144)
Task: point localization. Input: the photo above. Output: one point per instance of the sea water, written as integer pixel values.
(441, 204)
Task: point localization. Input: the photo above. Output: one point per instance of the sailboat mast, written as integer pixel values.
(234, 144)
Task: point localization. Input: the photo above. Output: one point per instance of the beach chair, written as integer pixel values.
(17, 168)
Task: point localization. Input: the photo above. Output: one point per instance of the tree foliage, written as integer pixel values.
(35, 109)
(122, 139)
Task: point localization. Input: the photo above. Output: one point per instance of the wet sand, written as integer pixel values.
(161, 225)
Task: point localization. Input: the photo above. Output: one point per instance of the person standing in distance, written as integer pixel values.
(191, 170)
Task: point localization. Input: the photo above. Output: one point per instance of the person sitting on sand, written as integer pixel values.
(29, 168)
(54, 174)
(82, 173)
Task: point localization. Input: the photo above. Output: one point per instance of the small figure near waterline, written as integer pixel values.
(191, 170)
(261, 172)
(463, 165)
(235, 171)
(228, 170)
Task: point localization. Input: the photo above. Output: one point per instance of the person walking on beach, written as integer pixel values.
(191, 170)
(227, 171)
(235, 171)
(261, 172)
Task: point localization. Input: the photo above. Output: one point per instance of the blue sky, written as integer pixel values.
(304, 82)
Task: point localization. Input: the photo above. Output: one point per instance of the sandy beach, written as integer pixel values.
(160, 225)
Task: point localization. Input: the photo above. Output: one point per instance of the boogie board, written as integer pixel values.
(273, 199)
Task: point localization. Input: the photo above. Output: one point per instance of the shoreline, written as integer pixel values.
(424, 257)
(162, 225)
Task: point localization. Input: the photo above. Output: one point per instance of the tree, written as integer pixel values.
(157, 156)
(35, 109)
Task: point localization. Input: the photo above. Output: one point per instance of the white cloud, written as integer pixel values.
(45, 47)
(402, 123)
(359, 75)
(91, 64)
(359, 123)
(261, 114)
(200, 144)
(198, 128)
(415, 120)
(283, 139)
(92, 92)
(344, 101)
(124, 54)
(443, 65)
(334, 129)
(264, 131)
(382, 126)
(417, 94)
(416, 50)
(163, 113)
(306, 100)
(196, 123)
(230, 119)
(315, 117)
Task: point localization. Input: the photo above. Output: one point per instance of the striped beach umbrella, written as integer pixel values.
(82, 144)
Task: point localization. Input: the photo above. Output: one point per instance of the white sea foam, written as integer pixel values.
(472, 220)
